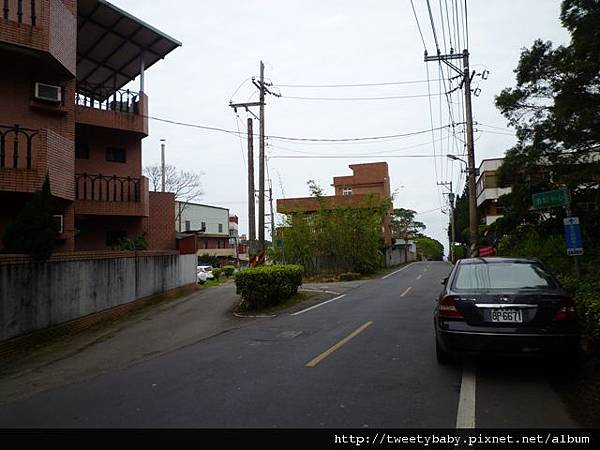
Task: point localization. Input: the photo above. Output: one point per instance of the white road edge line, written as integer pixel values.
(317, 306)
(465, 415)
(397, 271)
(319, 290)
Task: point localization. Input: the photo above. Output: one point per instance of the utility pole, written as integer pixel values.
(272, 214)
(262, 87)
(466, 85)
(162, 164)
(251, 190)
(451, 202)
(473, 222)
(251, 199)
(261, 163)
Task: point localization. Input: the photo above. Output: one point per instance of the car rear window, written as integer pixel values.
(505, 275)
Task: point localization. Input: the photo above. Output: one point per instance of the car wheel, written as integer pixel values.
(443, 357)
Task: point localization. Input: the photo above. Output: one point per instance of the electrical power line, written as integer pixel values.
(287, 138)
(389, 83)
(418, 25)
(354, 156)
(354, 99)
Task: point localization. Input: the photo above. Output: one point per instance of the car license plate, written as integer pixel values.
(507, 315)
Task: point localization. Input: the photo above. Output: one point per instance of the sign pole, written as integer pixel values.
(570, 214)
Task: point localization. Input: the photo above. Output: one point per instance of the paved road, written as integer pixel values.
(363, 360)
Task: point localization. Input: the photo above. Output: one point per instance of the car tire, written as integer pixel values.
(443, 357)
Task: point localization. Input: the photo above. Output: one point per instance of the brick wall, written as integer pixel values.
(99, 140)
(160, 225)
(54, 32)
(92, 230)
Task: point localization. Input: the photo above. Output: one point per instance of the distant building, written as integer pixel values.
(488, 191)
(212, 226)
(367, 180)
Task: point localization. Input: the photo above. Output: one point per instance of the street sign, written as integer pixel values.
(549, 199)
(573, 236)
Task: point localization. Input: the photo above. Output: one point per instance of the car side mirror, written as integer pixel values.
(445, 281)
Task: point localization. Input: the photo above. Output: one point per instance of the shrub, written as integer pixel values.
(266, 286)
(587, 300)
(34, 230)
(349, 276)
(228, 270)
(217, 273)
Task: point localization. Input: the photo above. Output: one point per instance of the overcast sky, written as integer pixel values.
(329, 42)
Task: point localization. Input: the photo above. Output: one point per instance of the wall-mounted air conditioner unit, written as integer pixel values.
(59, 218)
(48, 92)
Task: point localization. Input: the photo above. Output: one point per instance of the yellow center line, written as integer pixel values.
(326, 353)
(406, 292)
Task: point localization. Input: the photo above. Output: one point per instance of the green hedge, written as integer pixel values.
(228, 270)
(266, 286)
(217, 273)
(587, 300)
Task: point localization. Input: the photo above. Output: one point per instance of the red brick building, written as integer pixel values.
(368, 181)
(64, 113)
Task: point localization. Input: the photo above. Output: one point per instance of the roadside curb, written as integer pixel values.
(258, 316)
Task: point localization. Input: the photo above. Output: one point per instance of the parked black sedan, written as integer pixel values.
(503, 305)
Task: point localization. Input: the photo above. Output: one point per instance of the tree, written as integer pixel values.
(340, 238)
(555, 109)
(429, 249)
(34, 230)
(185, 185)
(404, 226)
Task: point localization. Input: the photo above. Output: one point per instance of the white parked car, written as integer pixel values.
(204, 273)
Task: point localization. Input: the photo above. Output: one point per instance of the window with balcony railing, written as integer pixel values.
(20, 11)
(16, 147)
(98, 187)
(106, 98)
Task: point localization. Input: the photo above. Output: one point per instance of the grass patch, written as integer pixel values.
(296, 299)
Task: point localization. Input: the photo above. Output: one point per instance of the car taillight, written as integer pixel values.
(447, 308)
(566, 310)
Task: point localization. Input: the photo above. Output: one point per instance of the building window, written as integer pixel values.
(82, 151)
(347, 191)
(220, 228)
(187, 225)
(203, 226)
(113, 237)
(116, 154)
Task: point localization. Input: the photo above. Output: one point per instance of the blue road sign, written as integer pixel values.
(573, 236)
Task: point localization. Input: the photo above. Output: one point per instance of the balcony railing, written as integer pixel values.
(20, 11)
(103, 188)
(107, 99)
(16, 147)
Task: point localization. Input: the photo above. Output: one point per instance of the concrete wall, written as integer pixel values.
(395, 256)
(37, 296)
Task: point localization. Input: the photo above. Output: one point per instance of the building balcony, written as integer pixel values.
(105, 107)
(27, 155)
(111, 195)
(491, 193)
(47, 27)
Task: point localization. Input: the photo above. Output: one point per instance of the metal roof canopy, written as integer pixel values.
(114, 47)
